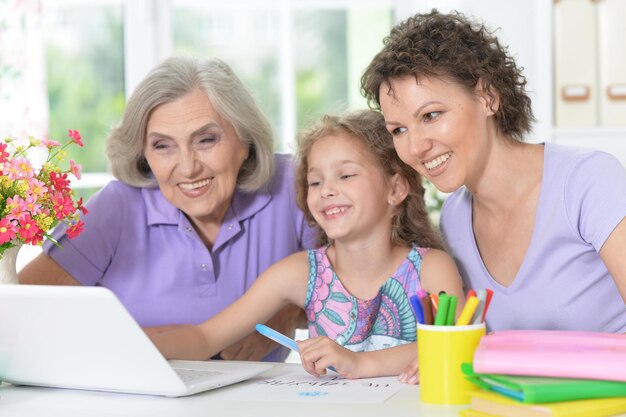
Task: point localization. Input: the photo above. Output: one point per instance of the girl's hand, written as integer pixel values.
(319, 353)
(410, 374)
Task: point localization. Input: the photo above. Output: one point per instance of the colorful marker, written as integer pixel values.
(451, 310)
(477, 317)
(487, 302)
(417, 309)
(427, 308)
(468, 311)
(442, 310)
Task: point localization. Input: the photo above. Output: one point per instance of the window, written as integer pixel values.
(299, 58)
(85, 78)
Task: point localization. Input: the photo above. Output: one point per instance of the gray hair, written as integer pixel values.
(167, 82)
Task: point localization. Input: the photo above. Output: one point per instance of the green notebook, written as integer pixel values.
(530, 389)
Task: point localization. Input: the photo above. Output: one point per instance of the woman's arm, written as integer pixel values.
(283, 283)
(612, 254)
(43, 270)
(256, 346)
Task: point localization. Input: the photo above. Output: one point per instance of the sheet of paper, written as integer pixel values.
(302, 387)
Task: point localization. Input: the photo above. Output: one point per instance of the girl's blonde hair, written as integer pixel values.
(410, 223)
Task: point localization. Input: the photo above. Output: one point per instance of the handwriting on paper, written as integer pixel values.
(302, 387)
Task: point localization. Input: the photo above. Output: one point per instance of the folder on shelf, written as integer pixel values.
(485, 403)
(532, 389)
(612, 59)
(575, 46)
(553, 353)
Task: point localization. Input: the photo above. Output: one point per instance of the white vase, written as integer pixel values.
(8, 270)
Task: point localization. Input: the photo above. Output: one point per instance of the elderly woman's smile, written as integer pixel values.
(194, 185)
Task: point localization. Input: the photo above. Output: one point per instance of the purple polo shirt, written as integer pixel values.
(562, 282)
(147, 252)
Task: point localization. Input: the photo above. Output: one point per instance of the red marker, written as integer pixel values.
(487, 301)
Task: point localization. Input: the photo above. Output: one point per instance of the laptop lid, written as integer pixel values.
(84, 338)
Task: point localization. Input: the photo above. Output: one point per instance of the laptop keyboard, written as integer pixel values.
(190, 376)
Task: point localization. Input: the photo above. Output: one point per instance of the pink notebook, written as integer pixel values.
(564, 354)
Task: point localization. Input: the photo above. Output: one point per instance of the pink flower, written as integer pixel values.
(7, 230)
(79, 206)
(34, 198)
(17, 208)
(3, 155)
(31, 205)
(50, 143)
(63, 205)
(75, 136)
(75, 229)
(37, 188)
(59, 181)
(75, 169)
(18, 168)
(35, 239)
(28, 228)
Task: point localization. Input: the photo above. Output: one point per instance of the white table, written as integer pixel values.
(49, 402)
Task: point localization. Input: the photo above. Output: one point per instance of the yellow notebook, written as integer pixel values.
(492, 404)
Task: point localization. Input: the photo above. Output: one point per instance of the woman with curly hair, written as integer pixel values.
(541, 224)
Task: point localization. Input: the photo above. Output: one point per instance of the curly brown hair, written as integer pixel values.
(454, 47)
(410, 223)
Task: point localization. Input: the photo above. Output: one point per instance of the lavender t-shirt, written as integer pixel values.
(562, 282)
(146, 251)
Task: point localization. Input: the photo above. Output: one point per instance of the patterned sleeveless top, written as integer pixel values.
(385, 321)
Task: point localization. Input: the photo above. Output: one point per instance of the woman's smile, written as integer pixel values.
(195, 189)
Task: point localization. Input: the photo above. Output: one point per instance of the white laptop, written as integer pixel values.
(83, 337)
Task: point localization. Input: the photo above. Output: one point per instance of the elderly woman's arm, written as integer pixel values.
(43, 270)
(255, 346)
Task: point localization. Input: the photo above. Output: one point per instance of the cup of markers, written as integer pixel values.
(444, 343)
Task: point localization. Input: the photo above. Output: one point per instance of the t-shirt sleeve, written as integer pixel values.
(595, 197)
(87, 257)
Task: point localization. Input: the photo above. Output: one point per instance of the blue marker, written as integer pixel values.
(417, 308)
(281, 339)
(277, 337)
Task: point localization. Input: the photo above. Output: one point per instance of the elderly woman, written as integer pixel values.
(201, 207)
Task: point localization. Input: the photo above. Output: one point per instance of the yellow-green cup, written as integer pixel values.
(441, 351)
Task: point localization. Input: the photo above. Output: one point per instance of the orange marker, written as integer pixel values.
(434, 300)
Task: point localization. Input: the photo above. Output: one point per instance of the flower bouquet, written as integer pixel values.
(34, 199)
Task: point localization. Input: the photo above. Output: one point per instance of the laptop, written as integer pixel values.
(84, 338)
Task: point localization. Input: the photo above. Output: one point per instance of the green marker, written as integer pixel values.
(442, 310)
(451, 310)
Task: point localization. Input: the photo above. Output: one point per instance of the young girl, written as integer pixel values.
(377, 248)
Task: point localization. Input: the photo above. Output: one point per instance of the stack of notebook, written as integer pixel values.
(548, 373)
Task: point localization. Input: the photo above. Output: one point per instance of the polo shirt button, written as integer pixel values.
(203, 267)
(189, 229)
(230, 226)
